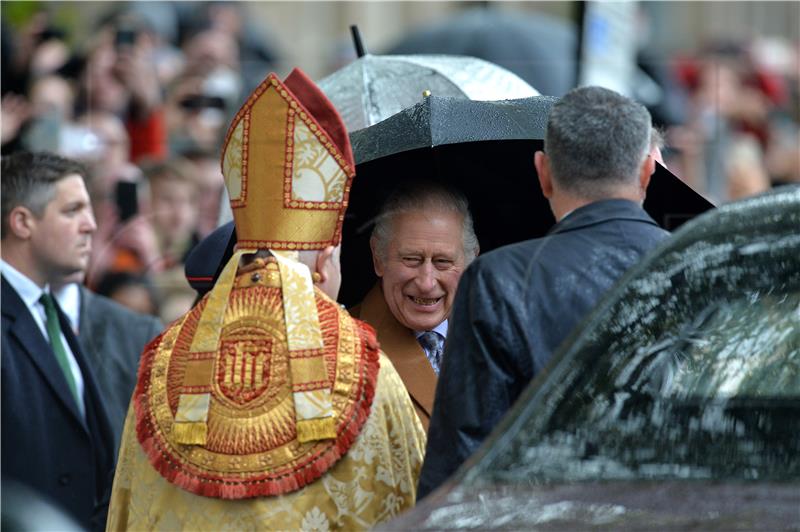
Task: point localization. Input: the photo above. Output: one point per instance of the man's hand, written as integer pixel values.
(15, 112)
(139, 76)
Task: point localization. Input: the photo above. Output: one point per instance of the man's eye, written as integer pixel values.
(412, 261)
(443, 263)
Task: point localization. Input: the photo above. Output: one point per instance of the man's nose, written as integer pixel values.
(426, 277)
(89, 224)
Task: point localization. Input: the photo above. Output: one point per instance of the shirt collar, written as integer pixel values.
(69, 299)
(27, 290)
(441, 329)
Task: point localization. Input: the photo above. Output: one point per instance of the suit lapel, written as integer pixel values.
(402, 348)
(32, 342)
(90, 335)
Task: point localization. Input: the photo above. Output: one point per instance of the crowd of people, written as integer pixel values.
(144, 103)
(154, 88)
(261, 402)
(738, 133)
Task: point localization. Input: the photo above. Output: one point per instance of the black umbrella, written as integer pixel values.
(539, 48)
(486, 150)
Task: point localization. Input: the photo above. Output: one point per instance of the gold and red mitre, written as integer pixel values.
(266, 382)
(288, 166)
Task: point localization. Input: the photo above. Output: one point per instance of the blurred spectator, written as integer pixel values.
(210, 186)
(173, 209)
(195, 116)
(154, 242)
(256, 54)
(160, 236)
(35, 49)
(209, 50)
(52, 93)
(134, 291)
(158, 24)
(121, 78)
(734, 144)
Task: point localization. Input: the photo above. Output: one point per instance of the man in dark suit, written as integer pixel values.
(516, 304)
(56, 437)
(112, 338)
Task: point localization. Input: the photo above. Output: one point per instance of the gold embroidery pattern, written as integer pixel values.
(373, 482)
(251, 435)
(316, 176)
(310, 217)
(302, 322)
(243, 372)
(232, 163)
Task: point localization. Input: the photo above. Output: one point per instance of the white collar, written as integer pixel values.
(69, 299)
(441, 329)
(27, 290)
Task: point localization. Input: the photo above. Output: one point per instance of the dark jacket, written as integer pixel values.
(46, 443)
(513, 308)
(113, 337)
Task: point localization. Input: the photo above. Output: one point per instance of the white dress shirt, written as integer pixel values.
(69, 299)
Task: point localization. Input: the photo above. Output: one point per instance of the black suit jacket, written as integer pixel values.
(113, 337)
(513, 308)
(46, 444)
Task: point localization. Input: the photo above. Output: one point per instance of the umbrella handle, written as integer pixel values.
(360, 52)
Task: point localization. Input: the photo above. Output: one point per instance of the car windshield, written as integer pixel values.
(690, 370)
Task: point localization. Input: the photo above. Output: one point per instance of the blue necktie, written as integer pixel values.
(433, 344)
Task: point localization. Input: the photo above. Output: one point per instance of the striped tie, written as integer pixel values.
(433, 344)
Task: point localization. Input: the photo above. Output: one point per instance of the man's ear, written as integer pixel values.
(377, 263)
(647, 170)
(324, 263)
(542, 164)
(20, 222)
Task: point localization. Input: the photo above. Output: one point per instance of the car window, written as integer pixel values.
(749, 347)
(719, 400)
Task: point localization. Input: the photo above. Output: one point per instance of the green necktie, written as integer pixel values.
(54, 333)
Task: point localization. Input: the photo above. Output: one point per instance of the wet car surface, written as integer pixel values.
(675, 405)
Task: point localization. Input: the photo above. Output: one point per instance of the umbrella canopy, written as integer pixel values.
(373, 88)
(486, 150)
(436, 121)
(541, 49)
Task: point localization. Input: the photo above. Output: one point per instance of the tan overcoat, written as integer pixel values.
(402, 348)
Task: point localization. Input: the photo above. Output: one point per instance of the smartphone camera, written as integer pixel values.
(127, 198)
(125, 37)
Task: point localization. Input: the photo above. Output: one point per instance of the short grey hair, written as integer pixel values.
(596, 141)
(29, 180)
(424, 195)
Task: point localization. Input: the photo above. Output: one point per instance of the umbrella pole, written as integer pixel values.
(360, 52)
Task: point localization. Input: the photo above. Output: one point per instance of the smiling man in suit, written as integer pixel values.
(422, 241)
(56, 437)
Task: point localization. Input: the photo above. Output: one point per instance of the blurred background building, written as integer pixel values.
(142, 92)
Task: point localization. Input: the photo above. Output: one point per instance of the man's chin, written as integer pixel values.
(74, 274)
